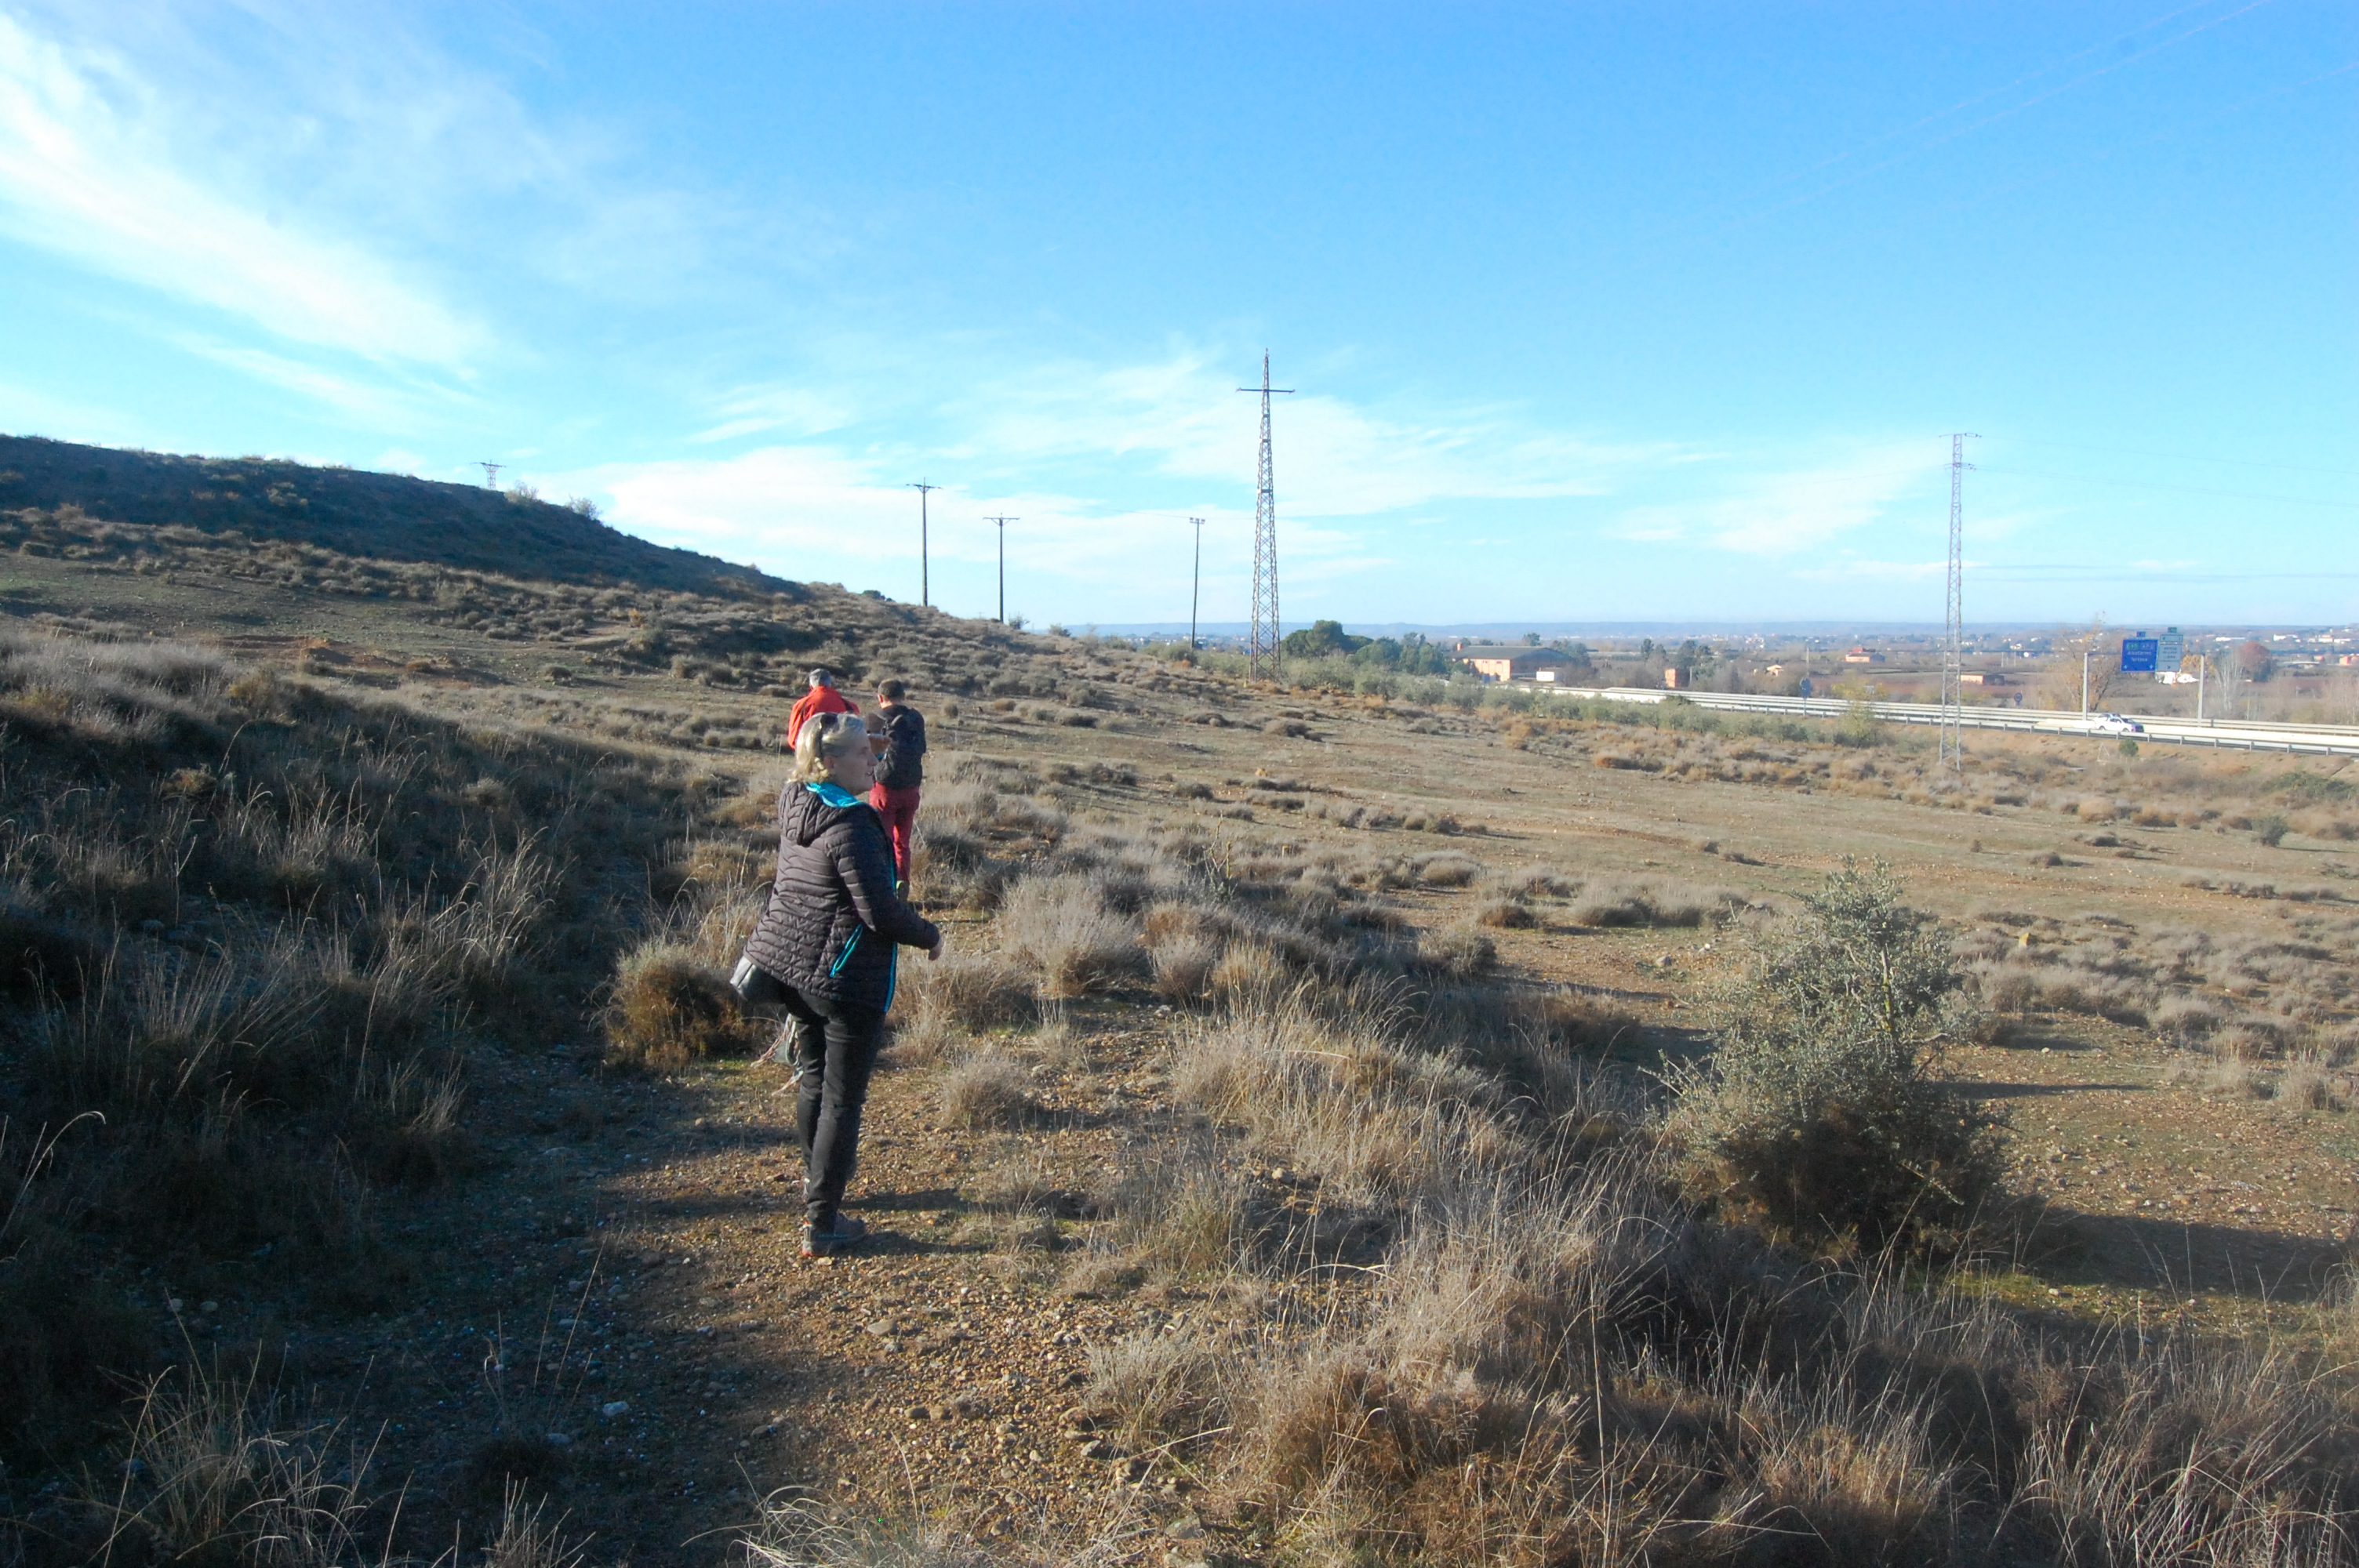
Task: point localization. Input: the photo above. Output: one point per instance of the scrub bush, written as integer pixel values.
(1820, 1116)
(671, 1010)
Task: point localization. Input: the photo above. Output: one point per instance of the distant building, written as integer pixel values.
(1981, 677)
(1513, 661)
(1675, 678)
(1862, 657)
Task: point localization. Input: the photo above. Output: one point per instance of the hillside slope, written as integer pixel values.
(391, 517)
(391, 581)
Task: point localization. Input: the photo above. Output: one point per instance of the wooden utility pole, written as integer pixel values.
(1195, 583)
(925, 491)
(1003, 523)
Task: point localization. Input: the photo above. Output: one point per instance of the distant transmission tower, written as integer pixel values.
(1953, 638)
(491, 473)
(1261, 641)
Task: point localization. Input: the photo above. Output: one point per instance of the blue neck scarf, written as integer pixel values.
(832, 794)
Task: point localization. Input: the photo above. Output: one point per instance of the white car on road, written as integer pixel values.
(2111, 724)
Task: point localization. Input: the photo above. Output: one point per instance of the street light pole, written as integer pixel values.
(925, 586)
(1195, 582)
(1003, 523)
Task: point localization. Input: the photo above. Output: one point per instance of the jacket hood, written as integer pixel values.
(810, 810)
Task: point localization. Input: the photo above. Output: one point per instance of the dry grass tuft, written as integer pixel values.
(527, 1539)
(969, 991)
(792, 1530)
(1458, 956)
(1448, 871)
(1184, 965)
(987, 1090)
(1506, 914)
(1063, 925)
(220, 1470)
(1652, 902)
(2313, 1085)
(1161, 1391)
(670, 1011)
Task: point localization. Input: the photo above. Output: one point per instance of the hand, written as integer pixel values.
(934, 953)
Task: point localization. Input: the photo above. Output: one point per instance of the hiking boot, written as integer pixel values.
(841, 1236)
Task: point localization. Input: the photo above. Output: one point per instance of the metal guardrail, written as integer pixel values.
(2226, 734)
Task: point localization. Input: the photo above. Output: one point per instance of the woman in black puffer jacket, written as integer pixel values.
(826, 945)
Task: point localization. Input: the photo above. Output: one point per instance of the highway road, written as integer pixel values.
(2235, 735)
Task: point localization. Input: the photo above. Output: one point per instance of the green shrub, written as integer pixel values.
(1819, 1117)
(1860, 726)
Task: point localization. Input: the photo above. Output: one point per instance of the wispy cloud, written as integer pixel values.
(787, 507)
(93, 165)
(1787, 513)
(1072, 449)
(402, 403)
(319, 177)
(1184, 417)
(762, 410)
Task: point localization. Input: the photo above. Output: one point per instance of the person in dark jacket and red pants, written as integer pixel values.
(827, 942)
(900, 769)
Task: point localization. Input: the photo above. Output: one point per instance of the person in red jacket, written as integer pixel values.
(822, 698)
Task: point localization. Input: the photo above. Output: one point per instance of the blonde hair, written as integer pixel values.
(825, 736)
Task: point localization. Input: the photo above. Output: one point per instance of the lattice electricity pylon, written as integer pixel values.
(1261, 640)
(1953, 652)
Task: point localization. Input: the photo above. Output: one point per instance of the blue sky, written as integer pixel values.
(1596, 313)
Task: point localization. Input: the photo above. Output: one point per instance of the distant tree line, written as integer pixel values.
(1411, 655)
(1415, 654)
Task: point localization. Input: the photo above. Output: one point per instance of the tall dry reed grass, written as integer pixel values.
(256, 936)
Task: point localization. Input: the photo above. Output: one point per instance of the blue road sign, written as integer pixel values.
(2140, 653)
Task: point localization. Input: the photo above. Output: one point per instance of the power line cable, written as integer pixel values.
(1964, 103)
(1854, 177)
(2181, 488)
(1915, 222)
(2180, 456)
